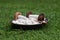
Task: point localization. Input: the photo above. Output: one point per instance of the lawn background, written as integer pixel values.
(51, 8)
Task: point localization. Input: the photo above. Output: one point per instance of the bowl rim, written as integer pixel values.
(26, 25)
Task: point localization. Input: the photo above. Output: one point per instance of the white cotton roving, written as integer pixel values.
(44, 21)
(26, 21)
(22, 17)
(33, 16)
(20, 21)
(14, 21)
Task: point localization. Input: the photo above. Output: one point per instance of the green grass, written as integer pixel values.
(51, 8)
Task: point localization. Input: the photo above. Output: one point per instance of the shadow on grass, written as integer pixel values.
(25, 27)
